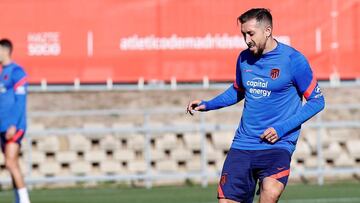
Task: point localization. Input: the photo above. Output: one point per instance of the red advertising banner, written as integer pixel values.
(59, 41)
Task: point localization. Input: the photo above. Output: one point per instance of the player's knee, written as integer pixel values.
(271, 193)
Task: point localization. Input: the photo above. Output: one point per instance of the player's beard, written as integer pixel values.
(259, 48)
(256, 50)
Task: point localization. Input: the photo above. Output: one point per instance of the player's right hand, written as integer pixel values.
(195, 106)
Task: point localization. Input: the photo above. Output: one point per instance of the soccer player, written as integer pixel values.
(273, 78)
(13, 91)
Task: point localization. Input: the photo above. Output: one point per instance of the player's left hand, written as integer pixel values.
(11, 131)
(270, 135)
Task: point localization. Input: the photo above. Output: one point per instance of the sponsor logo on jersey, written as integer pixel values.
(258, 88)
(275, 73)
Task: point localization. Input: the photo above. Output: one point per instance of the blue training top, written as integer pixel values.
(13, 91)
(273, 86)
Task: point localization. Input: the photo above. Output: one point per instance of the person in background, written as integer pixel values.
(13, 93)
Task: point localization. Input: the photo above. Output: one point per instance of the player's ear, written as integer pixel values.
(267, 30)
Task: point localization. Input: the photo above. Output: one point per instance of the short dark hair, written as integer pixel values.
(7, 44)
(260, 14)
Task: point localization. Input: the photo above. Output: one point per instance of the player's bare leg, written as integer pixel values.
(12, 163)
(227, 201)
(270, 190)
(12, 150)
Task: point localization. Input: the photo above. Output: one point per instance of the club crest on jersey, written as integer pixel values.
(275, 73)
(6, 77)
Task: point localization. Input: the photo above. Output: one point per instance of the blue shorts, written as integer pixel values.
(16, 138)
(243, 168)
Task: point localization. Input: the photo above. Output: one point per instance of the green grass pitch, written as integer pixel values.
(340, 192)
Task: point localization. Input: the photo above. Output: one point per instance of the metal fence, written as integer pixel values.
(161, 85)
(202, 127)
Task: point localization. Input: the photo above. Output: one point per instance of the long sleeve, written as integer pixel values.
(307, 85)
(18, 116)
(227, 98)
